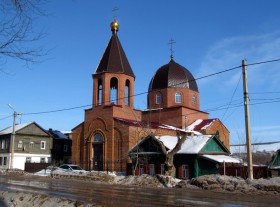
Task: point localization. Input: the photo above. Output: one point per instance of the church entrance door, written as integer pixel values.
(98, 142)
(98, 157)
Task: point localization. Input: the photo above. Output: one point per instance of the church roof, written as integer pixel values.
(173, 75)
(201, 124)
(114, 59)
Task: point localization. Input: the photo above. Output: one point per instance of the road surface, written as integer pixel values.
(130, 196)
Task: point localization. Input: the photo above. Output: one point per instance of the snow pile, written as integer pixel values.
(88, 176)
(36, 200)
(269, 185)
(236, 184)
(14, 172)
(168, 181)
(142, 180)
(145, 180)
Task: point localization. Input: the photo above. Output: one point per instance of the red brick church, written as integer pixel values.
(112, 126)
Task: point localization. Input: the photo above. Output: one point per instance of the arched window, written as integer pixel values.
(178, 97)
(127, 94)
(99, 92)
(114, 91)
(158, 98)
(98, 138)
(194, 99)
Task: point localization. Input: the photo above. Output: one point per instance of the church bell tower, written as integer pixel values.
(113, 80)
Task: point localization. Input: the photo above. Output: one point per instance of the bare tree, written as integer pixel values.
(169, 155)
(17, 36)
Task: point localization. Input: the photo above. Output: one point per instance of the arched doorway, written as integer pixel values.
(98, 142)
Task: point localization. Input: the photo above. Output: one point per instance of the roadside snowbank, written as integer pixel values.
(236, 184)
(208, 182)
(19, 199)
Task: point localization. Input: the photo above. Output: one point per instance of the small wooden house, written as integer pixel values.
(274, 166)
(199, 155)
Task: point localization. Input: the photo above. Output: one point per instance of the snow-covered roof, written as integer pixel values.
(269, 147)
(192, 145)
(222, 158)
(18, 127)
(201, 124)
(66, 131)
(59, 134)
(165, 126)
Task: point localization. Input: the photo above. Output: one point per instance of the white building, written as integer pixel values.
(31, 144)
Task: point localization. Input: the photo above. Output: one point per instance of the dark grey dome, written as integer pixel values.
(173, 75)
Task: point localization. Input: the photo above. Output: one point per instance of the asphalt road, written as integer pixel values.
(130, 196)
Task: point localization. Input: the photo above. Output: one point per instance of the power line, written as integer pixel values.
(77, 107)
(233, 106)
(195, 79)
(265, 92)
(263, 62)
(264, 102)
(6, 117)
(58, 110)
(261, 99)
(232, 96)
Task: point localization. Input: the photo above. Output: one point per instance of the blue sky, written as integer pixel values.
(210, 36)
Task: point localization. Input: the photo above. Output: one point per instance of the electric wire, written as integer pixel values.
(263, 62)
(195, 79)
(6, 117)
(264, 92)
(232, 97)
(143, 93)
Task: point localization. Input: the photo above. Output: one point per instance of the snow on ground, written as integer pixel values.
(207, 182)
(19, 199)
(237, 184)
(218, 183)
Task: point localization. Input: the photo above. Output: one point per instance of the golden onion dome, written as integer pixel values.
(114, 26)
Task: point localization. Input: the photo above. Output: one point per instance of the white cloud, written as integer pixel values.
(229, 53)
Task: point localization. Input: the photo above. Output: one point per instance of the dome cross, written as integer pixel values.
(171, 42)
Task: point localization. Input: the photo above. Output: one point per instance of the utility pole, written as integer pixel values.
(13, 137)
(247, 121)
(13, 141)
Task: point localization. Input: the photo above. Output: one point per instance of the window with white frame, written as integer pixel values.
(152, 169)
(28, 160)
(1, 161)
(42, 160)
(65, 148)
(43, 145)
(5, 161)
(158, 98)
(3, 144)
(19, 144)
(178, 97)
(185, 172)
